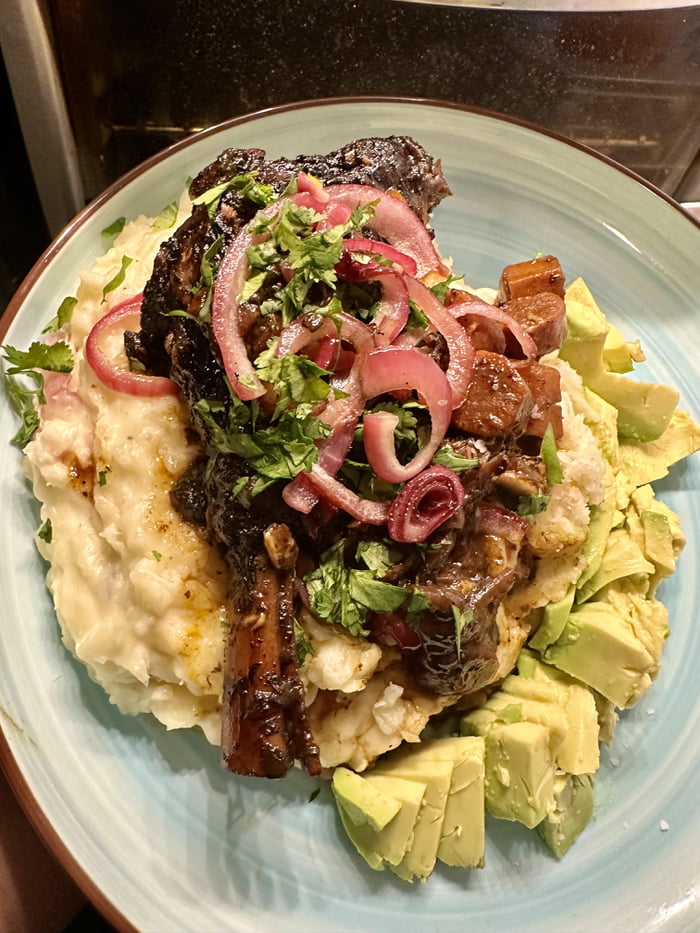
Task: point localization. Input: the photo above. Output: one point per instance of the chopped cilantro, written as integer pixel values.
(529, 506)
(46, 532)
(345, 596)
(462, 617)
(296, 379)
(417, 319)
(63, 315)
(115, 228)
(303, 644)
(246, 185)
(56, 357)
(278, 451)
(167, 217)
(118, 278)
(378, 556)
(102, 476)
(447, 457)
(157, 555)
(440, 289)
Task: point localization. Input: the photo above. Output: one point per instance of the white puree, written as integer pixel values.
(141, 597)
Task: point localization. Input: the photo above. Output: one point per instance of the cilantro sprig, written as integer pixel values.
(26, 393)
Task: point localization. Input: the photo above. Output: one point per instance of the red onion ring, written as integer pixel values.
(395, 221)
(110, 373)
(478, 308)
(230, 280)
(379, 248)
(391, 369)
(461, 365)
(364, 510)
(424, 503)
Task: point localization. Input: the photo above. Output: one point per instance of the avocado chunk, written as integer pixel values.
(579, 751)
(600, 649)
(620, 355)
(650, 461)
(644, 409)
(389, 845)
(623, 557)
(553, 621)
(462, 838)
(362, 801)
(436, 776)
(519, 772)
(573, 795)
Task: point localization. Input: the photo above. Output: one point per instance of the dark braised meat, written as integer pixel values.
(458, 575)
(264, 726)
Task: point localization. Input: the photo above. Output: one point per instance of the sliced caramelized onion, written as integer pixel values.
(461, 365)
(393, 369)
(424, 503)
(395, 221)
(113, 374)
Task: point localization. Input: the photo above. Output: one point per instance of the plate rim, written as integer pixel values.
(36, 816)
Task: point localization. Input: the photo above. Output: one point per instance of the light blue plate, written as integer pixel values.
(162, 838)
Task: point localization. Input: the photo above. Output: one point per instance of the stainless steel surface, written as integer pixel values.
(42, 110)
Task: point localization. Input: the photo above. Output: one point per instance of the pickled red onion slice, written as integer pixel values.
(477, 308)
(111, 373)
(461, 364)
(364, 510)
(394, 220)
(397, 368)
(424, 503)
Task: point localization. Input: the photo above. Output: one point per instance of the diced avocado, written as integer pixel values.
(503, 707)
(603, 426)
(389, 845)
(658, 541)
(650, 461)
(573, 796)
(420, 857)
(519, 772)
(647, 620)
(553, 621)
(579, 751)
(361, 801)
(600, 649)
(623, 557)
(462, 838)
(599, 528)
(620, 355)
(644, 409)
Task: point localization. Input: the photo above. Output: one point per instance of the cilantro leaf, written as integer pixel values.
(462, 617)
(56, 357)
(303, 644)
(45, 533)
(529, 506)
(246, 185)
(167, 217)
(115, 228)
(118, 278)
(378, 556)
(63, 315)
(296, 379)
(447, 457)
(345, 596)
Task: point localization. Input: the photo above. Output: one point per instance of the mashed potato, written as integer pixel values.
(141, 596)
